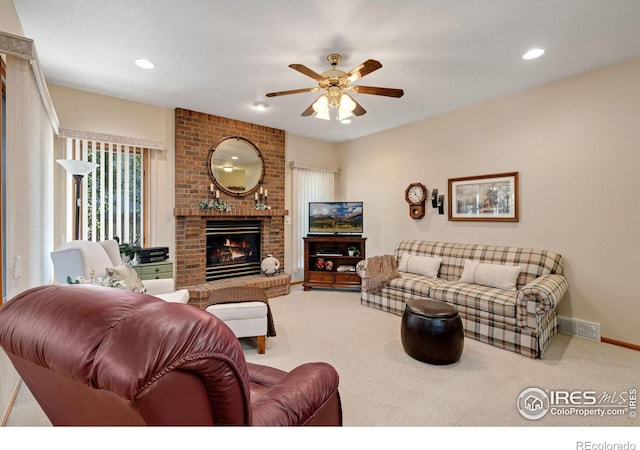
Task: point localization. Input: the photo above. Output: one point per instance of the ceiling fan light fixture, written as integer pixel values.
(321, 107)
(321, 104)
(336, 103)
(347, 105)
(324, 115)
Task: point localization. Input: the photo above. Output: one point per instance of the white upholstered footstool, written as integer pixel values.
(246, 319)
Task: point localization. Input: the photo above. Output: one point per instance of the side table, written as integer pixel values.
(154, 270)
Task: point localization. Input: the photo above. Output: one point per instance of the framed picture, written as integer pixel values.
(491, 198)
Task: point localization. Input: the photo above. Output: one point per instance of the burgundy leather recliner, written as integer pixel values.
(102, 356)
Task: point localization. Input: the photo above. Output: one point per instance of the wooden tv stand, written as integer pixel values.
(327, 260)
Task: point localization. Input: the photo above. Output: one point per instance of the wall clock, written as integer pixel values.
(416, 195)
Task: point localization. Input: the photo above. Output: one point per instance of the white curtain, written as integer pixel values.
(311, 183)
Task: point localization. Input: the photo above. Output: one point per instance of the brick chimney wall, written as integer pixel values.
(196, 133)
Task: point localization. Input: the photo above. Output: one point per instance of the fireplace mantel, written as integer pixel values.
(233, 214)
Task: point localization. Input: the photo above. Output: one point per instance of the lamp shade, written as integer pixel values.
(77, 167)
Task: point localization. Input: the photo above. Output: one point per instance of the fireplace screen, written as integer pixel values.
(233, 249)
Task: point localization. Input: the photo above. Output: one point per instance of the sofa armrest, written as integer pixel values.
(299, 397)
(384, 270)
(540, 296)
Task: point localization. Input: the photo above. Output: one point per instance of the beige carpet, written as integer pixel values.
(381, 386)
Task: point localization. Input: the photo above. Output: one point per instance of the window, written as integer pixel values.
(310, 183)
(113, 195)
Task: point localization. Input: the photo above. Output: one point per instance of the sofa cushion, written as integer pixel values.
(420, 265)
(492, 275)
(492, 301)
(415, 284)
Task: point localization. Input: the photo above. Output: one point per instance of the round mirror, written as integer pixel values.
(236, 165)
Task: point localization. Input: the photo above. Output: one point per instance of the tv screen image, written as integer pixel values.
(335, 218)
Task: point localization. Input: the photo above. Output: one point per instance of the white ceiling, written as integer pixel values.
(220, 57)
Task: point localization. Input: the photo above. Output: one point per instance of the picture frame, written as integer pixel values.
(488, 198)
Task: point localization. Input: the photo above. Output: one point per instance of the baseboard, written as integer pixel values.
(294, 283)
(12, 402)
(620, 343)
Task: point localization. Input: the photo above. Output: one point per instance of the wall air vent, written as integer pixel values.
(577, 327)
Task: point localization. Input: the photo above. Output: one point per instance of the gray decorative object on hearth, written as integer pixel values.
(270, 265)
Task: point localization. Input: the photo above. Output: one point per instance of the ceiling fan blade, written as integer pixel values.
(306, 71)
(308, 111)
(363, 69)
(293, 91)
(358, 110)
(387, 92)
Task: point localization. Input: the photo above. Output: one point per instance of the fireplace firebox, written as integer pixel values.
(233, 249)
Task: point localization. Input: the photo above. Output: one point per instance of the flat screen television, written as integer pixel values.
(335, 218)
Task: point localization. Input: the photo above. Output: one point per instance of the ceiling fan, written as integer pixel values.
(337, 101)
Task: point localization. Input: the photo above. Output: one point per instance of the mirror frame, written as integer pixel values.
(224, 189)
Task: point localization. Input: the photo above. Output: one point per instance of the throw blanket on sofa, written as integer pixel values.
(381, 270)
(244, 294)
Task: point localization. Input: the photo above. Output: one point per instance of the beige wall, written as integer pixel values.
(576, 144)
(85, 111)
(9, 20)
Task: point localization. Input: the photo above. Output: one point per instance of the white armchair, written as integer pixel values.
(80, 258)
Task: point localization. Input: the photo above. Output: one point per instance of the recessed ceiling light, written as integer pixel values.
(260, 106)
(144, 63)
(533, 53)
(346, 121)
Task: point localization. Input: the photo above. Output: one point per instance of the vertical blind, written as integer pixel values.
(310, 184)
(112, 194)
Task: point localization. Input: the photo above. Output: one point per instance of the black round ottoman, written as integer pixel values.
(432, 332)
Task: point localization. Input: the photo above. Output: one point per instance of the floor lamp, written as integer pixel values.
(78, 169)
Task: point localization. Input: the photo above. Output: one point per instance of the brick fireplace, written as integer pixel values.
(196, 134)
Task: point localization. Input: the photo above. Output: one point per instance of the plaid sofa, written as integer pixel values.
(522, 321)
